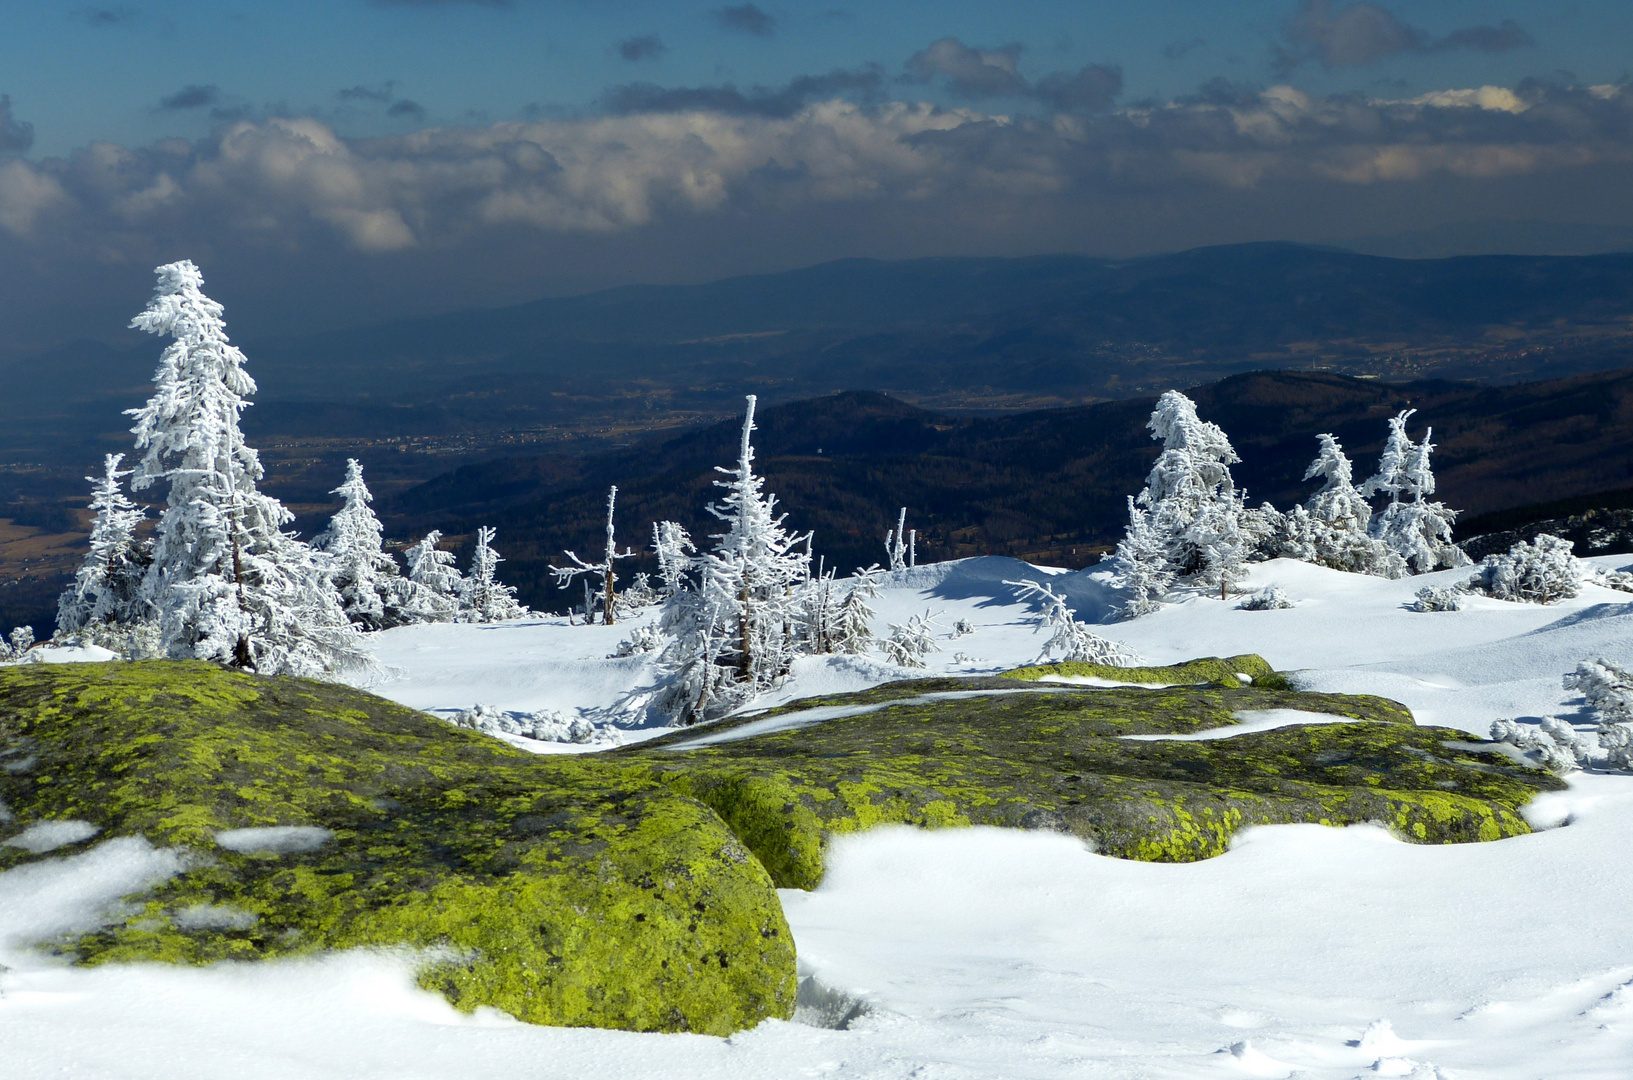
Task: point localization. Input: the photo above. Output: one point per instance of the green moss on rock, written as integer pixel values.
(1057, 760)
(1208, 670)
(560, 890)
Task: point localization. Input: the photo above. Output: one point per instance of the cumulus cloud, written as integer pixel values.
(644, 47)
(747, 18)
(191, 97)
(278, 180)
(1363, 32)
(985, 73)
(16, 136)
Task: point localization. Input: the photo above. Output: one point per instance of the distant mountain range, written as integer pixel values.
(960, 333)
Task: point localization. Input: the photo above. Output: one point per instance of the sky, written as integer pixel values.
(342, 162)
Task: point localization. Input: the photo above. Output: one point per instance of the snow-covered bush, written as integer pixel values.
(1071, 640)
(1439, 598)
(107, 588)
(962, 628)
(1608, 689)
(546, 726)
(1620, 580)
(226, 582)
(1272, 599)
(641, 640)
(675, 550)
(853, 630)
(1541, 572)
(639, 595)
(1553, 744)
(1141, 564)
(910, 642)
(19, 642)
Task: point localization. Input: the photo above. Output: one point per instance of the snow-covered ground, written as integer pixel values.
(1326, 953)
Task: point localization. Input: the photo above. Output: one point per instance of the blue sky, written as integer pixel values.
(80, 73)
(358, 160)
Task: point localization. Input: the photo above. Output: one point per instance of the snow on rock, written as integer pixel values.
(275, 839)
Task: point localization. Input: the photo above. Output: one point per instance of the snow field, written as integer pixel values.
(1323, 953)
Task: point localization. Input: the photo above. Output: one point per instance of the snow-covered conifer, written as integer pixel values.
(1071, 640)
(19, 642)
(820, 613)
(1141, 564)
(1337, 502)
(602, 570)
(483, 598)
(1193, 507)
(226, 582)
(1416, 529)
(372, 590)
(1541, 572)
(675, 551)
(437, 581)
(735, 629)
(853, 629)
(910, 642)
(107, 588)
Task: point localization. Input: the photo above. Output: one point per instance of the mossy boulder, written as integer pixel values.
(938, 752)
(636, 888)
(560, 890)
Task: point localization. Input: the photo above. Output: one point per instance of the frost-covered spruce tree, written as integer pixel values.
(1416, 529)
(1071, 640)
(226, 582)
(735, 628)
(1141, 564)
(483, 598)
(853, 628)
(372, 589)
(674, 550)
(1193, 506)
(602, 571)
(437, 581)
(107, 588)
(1330, 529)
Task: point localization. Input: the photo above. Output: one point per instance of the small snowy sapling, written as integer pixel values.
(910, 642)
(1071, 640)
(1541, 572)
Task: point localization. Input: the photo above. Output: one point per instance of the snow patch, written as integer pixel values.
(46, 836)
(277, 839)
(1251, 720)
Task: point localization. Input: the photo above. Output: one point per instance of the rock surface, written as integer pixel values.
(636, 888)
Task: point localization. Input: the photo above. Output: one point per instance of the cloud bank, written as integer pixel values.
(716, 180)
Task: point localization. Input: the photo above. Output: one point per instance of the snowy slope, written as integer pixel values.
(982, 953)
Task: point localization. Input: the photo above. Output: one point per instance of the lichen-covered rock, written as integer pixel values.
(965, 752)
(1231, 671)
(559, 889)
(636, 888)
